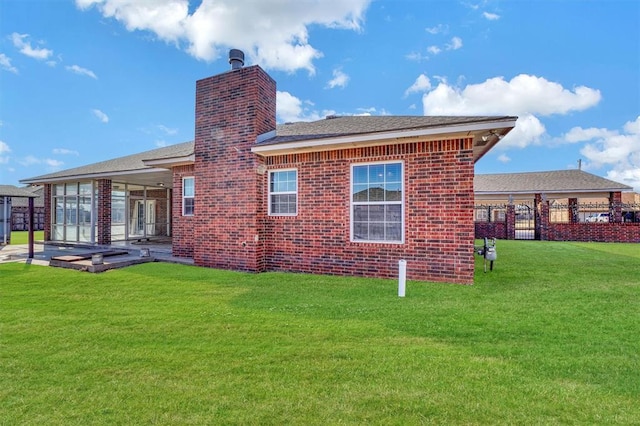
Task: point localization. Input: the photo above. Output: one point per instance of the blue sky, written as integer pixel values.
(88, 80)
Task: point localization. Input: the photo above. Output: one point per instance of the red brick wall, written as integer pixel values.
(104, 211)
(182, 226)
(491, 230)
(232, 109)
(607, 232)
(439, 228)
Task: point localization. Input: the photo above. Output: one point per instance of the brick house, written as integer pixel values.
(342, 195)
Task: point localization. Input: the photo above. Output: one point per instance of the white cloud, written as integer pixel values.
(53, 164)
(340, 79)
(271, 32)
(100, 115)
(503, 158)
(416, 56)
(4, 149)
(167, 130)
(291, 109)
(29, 160)
(81, 71)
(422, 84)
(161, 143)
(366, 112)
(528, 131)
(578, 134)
(22, 43)
(5, 64)
(438, 29)
(434, 50)
(491, 16)
(522, 94)
(526, 96)
(455, 44)
(632, 127)
(64, 151)
(612, 148)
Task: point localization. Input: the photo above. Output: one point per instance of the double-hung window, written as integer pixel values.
(283, 192)
(377, 202)
(188, 196)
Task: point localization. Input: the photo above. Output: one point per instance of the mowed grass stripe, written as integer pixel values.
(550, 336)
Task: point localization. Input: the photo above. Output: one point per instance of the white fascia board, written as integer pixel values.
(394, 137)
(101, 175)
(569, 193)
(171, 162)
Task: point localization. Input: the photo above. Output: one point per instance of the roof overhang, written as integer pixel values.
(152, 176)
(168, 163)
(15, 192)
(485, 135)
(600, 193)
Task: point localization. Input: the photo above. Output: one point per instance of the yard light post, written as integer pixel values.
(402, 277)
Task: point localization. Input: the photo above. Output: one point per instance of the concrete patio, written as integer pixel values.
(79, 257)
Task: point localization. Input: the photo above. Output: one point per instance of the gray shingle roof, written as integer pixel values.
(289, 132)
(539, 182)
(38, 191)
(14, 191)
(355, 125)
(122, 164)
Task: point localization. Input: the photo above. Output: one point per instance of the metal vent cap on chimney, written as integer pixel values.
(236, 59)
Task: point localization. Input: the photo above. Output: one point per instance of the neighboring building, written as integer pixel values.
(343, 195)
(556, 184)
(8, 195)
(555, 205)
(20, 211)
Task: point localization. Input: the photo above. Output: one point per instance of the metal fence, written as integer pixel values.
(592, 212)
(490, 213)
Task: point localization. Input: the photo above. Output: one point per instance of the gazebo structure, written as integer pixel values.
(7, 192)
(566, 205)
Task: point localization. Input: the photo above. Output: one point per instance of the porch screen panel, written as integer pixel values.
(118, 212)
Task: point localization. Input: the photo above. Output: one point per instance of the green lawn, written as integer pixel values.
(551, 336)
(22, 237)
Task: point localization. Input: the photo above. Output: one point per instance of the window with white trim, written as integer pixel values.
(377, 202)
(283, 192)
(188, 196)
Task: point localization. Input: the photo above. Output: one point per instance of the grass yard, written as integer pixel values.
(22, 237)
(551, 336)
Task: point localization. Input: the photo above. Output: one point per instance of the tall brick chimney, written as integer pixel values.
(232, 109)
